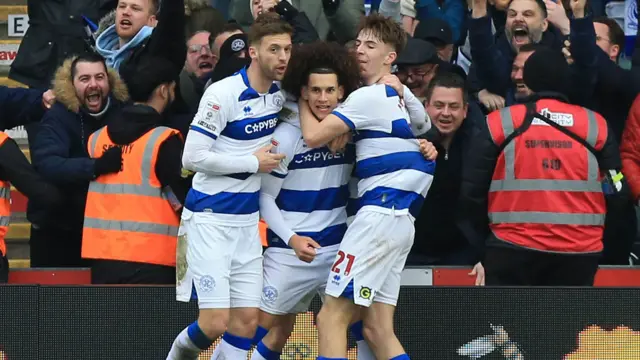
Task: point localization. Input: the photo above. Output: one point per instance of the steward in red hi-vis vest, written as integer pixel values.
(546, 190)
(540, 179)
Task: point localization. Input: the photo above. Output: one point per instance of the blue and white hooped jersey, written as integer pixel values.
(315, 190)
(393, 176)
(241, 121)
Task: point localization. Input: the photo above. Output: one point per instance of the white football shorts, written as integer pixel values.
(221, 265)
(290, 284)
(371, 258)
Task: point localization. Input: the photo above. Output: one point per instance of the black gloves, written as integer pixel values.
(286, 10)
(110, 162)
(330, 6)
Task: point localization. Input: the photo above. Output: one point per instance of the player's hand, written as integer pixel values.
(478, 272)
(428, 150)
(48, 98)
(394, 82)
(339, 144)
(267, 160)
(305, 247)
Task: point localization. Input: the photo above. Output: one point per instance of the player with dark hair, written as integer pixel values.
(304, 199)
(393, 180)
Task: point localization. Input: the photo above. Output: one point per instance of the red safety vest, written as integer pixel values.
(546, 191)
(5, 205)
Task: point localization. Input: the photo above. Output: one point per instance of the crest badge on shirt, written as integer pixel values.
(278, 100)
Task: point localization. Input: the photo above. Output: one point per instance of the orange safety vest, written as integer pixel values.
(546, 190)
(5, 205)
(262, 227)
(127, 215)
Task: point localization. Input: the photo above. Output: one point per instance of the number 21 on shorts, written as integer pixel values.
(336, 268)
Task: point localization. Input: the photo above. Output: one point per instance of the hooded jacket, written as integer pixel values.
(59, 147)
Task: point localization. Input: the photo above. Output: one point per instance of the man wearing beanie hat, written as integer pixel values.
(546, 171)
(132, 217)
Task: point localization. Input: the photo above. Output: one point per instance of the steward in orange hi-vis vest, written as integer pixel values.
(128, 217)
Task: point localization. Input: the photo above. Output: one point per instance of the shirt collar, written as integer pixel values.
(250, 93)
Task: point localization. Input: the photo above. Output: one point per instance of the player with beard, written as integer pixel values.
(146, 210)
(304, 199)
(227, 144)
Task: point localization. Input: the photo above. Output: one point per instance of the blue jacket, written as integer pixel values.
(19, 106)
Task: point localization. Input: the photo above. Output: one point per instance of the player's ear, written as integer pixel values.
(253, 52)
(304, 94)
(391, 57)
(340, 92)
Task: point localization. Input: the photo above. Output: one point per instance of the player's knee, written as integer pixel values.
(377, 333)
(331, 319)
(213, 322)
(243, 321)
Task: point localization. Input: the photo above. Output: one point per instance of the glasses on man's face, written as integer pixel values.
(197, 49)
(415, 73)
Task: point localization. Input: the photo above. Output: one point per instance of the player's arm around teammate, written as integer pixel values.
(222, 253)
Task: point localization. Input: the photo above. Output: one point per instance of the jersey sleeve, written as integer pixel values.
(356, 110)
(285, 140)
(212, 115)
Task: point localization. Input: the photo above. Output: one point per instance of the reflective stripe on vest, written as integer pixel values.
(158, 224)
(5, 213)
(5, 205)
(510, 183)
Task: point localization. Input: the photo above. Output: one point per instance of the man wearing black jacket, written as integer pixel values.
(152, 89)
(86, 94)
(16, 170)
(438, 241)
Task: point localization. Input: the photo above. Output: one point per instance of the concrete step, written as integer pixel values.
(19, 263)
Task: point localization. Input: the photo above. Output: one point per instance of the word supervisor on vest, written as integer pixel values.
(551, 162)
(128, 216)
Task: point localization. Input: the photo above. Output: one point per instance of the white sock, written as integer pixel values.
(364, 351)
(262, 352)
(184, 348)
(232, 347)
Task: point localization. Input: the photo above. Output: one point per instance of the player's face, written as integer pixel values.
(323, 92)
(273, 55)
(373, 55)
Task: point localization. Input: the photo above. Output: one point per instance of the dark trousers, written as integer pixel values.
(4, 269)
(54, 247)
(125, 272)
(510, 266)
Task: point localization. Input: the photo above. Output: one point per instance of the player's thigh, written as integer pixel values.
(245, 278)
(291, 284)
(203, 270)
(402, 242)
(368, 252)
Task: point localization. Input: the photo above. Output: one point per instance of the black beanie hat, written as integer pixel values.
(546, 70)
(145, 77)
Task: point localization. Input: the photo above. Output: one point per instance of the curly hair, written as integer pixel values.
(325, 56)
